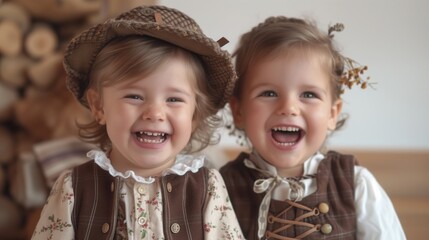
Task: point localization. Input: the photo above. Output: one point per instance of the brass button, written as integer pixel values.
(112, 187)
(105, 228)
(169, 187)
(141, 221)
(326, 228)
(323, 207)
(141, 189)
(175, 228)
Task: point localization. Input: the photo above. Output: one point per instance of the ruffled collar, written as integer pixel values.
(183, 164)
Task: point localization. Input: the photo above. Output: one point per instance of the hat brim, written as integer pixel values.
(83, 50)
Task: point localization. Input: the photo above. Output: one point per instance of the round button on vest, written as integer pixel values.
(326, 228)
(169, 187)
(105, 228)
(175, 228)
(323, 207)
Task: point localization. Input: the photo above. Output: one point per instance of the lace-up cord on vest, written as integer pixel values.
(290, 223)
(268, 185)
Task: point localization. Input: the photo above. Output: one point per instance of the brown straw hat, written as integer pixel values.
(160, 22)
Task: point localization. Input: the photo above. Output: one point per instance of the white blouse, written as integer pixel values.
(376, 216)
(140, 216)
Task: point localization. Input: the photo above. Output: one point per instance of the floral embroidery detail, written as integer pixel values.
(143, 233)
(212, 187)
(131, 233)
(155, 201)
(141, 214)
(144, 226)
(55, 225)
(230, 234)
(121, 228)
(237, 232)
(212, 191)
(208, 226)
(68, 197)
(223, 209)
(220, 220)
(153, 237)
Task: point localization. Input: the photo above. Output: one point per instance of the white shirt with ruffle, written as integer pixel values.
(376, 216)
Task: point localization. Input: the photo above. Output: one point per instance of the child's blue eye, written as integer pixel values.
(174, 99)
(309, 95)
(268, 94)
(135, 97)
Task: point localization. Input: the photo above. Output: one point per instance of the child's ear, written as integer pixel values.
(95, 105)
(234, 103)
(335, 112)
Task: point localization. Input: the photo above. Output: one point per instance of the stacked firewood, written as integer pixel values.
(35, 105)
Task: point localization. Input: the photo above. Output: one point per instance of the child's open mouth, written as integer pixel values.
(286, 136)
(151, 137)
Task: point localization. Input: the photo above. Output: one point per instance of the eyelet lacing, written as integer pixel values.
(298, 221)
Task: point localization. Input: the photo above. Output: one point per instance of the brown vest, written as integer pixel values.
(335, 187)
(96, 195)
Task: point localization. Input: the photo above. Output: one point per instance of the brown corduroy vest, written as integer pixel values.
(335, 187)
(96, 195)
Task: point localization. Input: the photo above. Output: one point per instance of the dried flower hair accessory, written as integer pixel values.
(353, 73)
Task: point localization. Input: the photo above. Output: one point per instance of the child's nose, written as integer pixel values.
(153, 112)
(288, 107)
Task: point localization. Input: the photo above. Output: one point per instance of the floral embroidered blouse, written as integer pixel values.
(140, 211)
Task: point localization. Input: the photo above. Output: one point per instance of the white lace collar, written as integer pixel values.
(183, 164)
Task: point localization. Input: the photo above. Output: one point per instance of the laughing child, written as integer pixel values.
(286, 101)
(153, 83)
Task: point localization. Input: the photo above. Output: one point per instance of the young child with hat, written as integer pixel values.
(287, 100)
(153, 83)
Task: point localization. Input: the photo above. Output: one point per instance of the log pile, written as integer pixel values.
(35, 105)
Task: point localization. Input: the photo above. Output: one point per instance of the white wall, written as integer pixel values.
(390, 36)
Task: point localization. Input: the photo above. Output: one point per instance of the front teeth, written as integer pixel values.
(155, 134)
(161, 137)
(150, 141)
(286, 144)
(288, 129)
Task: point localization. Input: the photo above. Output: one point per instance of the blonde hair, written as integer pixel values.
(278, 35)
(131, 58)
